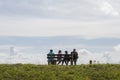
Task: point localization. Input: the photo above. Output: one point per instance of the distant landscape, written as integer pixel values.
(58, 72)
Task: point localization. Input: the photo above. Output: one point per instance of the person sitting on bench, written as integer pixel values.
(50, 59)
(59, 56)
(66, 58)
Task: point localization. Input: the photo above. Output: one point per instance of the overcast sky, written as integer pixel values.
(86, 18)
(95, 25)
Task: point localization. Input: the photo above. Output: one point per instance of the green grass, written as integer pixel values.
(57, 72)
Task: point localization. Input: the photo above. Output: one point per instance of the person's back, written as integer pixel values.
(50, 58)
(66, 57)
(59, 56)
(74, 56)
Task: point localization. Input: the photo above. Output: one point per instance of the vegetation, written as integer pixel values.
(57, 72)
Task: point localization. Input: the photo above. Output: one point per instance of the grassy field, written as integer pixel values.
(52, 72)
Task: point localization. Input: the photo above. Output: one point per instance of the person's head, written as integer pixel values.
(51, 50)
(74, 50)
(66, 52)
(59, 51)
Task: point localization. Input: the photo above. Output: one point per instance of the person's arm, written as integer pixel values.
(77, 55)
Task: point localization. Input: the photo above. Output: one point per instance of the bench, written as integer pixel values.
(54, 58)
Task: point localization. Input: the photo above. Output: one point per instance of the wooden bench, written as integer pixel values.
(54, 58)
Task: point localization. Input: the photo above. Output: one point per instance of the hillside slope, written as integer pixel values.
(52, 72)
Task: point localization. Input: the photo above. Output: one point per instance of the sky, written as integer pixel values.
(33, 27)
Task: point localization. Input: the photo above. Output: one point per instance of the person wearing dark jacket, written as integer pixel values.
(74, 55)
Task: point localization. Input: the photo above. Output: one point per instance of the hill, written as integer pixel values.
(57, 72)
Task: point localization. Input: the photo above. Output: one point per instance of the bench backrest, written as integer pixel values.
(56, 56)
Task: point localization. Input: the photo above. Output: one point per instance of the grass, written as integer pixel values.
(57, 72)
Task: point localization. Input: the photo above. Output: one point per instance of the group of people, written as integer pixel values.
(66, 58)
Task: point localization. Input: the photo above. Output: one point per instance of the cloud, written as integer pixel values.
(19, 26)
(111, 56)
(28, 58)
(85, 56)
(108, 9)
(117, 48)
(63, 9)
(24, 58)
